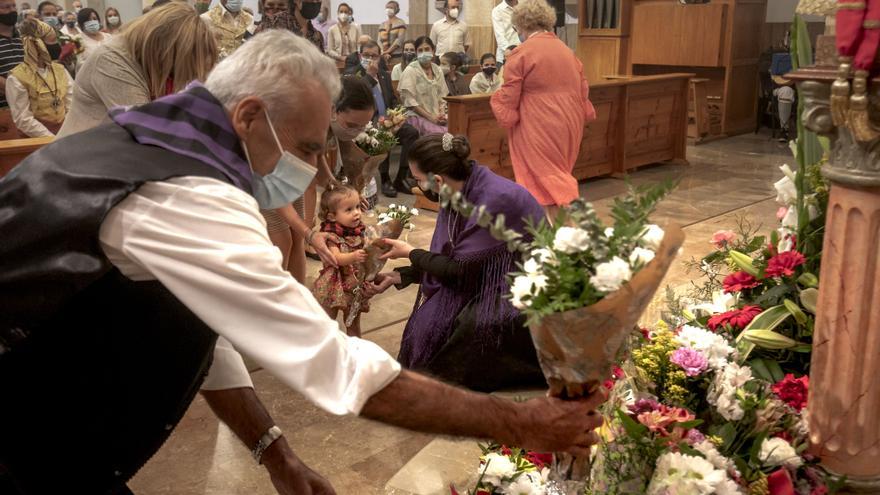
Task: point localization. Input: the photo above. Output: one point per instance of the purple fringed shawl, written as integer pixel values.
(486, 263)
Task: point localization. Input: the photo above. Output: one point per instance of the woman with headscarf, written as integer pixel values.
(38, 90)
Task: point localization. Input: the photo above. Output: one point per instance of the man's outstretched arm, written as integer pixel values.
(543, 424)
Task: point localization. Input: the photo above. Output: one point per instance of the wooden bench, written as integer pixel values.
(13, 151)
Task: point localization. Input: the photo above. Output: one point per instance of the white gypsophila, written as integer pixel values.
(529, 483)
(713, 346)
(652, 236)
(641, 256)
(544, 256)
(571, 240)
(723, 391)
(778, 452)
(712, 455)
(680, 474)
(497, 467)
(611, 275)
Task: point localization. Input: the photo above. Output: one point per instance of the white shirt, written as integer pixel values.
(67, 31)
(89, 45)
(206, 242)
(450, 36)
(505, 35)
(20, 104)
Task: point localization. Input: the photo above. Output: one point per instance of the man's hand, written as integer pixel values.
(399, 249)
(549, 424)
(381, 283)
(319, 243)
(290, 476)
(373, 68)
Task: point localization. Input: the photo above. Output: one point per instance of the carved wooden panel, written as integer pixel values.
(667, 33)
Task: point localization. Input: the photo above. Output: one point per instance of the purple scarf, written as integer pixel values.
(191, 123)
(485, 264)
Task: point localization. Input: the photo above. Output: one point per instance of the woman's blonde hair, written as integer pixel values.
(533, 15)
(171, 41)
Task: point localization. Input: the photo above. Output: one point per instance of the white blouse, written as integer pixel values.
(416, 90)
(342, 46)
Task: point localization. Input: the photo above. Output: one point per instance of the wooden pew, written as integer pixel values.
(640, 120)
(13, 151)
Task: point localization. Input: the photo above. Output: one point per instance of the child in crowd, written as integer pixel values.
(487, 80)
(336, 287)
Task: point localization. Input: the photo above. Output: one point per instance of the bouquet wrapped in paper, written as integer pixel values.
(583, 287)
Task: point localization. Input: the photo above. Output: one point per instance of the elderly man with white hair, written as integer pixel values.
(129, 248)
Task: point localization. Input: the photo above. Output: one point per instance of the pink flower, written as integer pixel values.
(658, 420)
(793, 391)
(781, 212)
(737, 319)
(783, 264)
(738, 281)
(722, 238)
(692, 361)
(694, 436)
(644, 405)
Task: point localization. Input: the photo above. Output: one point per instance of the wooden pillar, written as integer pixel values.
(844, 404)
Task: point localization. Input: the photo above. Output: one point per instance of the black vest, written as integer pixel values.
(95, 369)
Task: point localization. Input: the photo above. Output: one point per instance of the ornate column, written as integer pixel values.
(844, 404)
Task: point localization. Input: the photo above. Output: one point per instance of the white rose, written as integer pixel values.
(414, 212)
(571, 240)
(611, 275)
(641, 256)
(497, 467)
(544, 256)
(521, 288)
(652, 236)
(532, 267)
(778, 452)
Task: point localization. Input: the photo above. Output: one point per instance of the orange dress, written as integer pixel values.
(544, 104)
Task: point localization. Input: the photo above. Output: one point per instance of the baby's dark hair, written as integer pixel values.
(331, 196)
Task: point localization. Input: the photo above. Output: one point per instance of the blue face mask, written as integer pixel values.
(284, 185)
(234, 5)
(91, 26)
(51, 20)
(425, 58)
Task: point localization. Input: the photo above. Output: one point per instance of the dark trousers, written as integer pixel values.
(407, 135)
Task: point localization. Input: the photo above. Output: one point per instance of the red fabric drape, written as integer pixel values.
(849, 27)
(864, 56)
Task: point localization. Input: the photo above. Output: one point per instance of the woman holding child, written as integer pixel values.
(462, 329)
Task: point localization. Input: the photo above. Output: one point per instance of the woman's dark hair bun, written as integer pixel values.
(461, 148)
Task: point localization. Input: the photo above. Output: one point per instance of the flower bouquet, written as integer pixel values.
(392, 223)
(393, 120)
(583, 287)
(508, 470)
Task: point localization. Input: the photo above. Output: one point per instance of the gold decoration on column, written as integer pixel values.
(840, 92)
(859, 123)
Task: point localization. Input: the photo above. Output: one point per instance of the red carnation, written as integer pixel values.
(737, 319)
(738, 281)
(793, 391)
(538, 459)
(783, 264)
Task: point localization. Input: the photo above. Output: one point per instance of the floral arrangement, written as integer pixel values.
(401, 213)
(375, 141)
(505, 470)
(393, 120)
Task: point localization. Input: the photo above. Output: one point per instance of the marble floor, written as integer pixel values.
(725, 180)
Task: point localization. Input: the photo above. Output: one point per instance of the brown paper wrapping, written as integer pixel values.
(577, 348)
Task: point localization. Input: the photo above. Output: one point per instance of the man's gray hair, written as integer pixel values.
(272, 66)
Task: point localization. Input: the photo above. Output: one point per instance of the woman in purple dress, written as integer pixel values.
(462, 328)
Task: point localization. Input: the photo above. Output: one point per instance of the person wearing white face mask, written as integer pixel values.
(77, 6)
(392, 34)
(451, 34)
(114, 21)
(230, 25)
(344, 35)
(90, 24)
(422, 89)
(165, 250)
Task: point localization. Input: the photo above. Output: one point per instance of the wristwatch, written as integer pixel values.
(268, 438)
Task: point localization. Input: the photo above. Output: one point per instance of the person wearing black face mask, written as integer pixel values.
(303, 13)
(409, 56)
(487, 80)
(11, 54)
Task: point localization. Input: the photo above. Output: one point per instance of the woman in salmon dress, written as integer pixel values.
(544, 104)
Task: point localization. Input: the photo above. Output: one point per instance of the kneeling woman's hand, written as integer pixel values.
(399, 249)
(382, 282)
